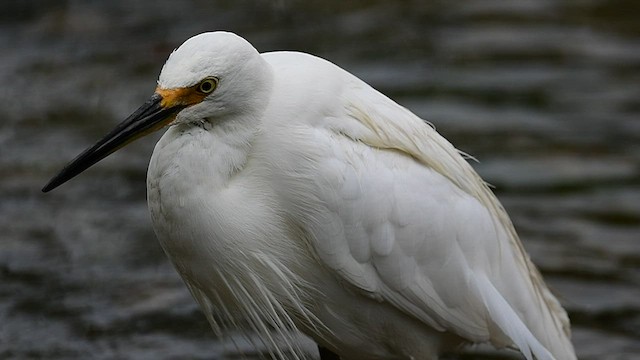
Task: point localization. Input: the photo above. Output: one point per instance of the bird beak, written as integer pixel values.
(151, 116)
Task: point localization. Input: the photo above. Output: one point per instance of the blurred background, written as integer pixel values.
(546, 94)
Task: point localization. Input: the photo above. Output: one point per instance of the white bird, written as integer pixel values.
(292, 196)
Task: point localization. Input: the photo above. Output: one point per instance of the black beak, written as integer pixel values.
(149, 117)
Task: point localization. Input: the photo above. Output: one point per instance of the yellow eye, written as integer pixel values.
(207, 85)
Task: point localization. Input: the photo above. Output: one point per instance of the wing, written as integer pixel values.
(400, 215)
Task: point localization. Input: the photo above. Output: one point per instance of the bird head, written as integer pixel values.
(210, 77)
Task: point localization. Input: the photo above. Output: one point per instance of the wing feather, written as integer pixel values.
(414, 225)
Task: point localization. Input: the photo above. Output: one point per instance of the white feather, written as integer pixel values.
(316, 203)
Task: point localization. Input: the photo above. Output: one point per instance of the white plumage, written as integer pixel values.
(297, 197)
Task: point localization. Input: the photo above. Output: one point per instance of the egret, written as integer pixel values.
(293, 197)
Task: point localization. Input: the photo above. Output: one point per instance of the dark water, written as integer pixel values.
(545, 93)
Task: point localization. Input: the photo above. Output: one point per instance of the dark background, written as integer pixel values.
(546, 94)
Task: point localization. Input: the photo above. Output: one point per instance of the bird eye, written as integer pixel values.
(207, 85)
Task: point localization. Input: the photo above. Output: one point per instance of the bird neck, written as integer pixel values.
(222, 148)
(200, 155)
(232, 142)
